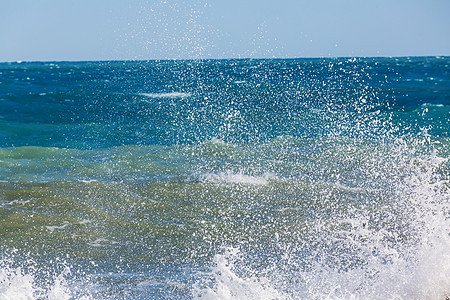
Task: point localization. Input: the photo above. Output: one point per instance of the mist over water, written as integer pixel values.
(225, 179)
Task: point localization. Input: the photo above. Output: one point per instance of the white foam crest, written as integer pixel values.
(431, 202)
(409, 260)
(60, 290)
(237, 178)
(166, 95)
(401, 267)
(217, 141)
(88, 181)
(229, 285)
(56, 227)
(18, 284)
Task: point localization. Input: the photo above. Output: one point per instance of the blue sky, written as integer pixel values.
(54, 30)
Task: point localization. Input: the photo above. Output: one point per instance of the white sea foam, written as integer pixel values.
(166, 95)
(58, 227)
(84, 222)
(395, 266)
(229, 285)
(237, 178)
(432, 105)
(101, 242)
(19, 202)
(18, 284)
(88, 181)
(14, 284)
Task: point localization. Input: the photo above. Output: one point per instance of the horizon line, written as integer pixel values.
(218, 59)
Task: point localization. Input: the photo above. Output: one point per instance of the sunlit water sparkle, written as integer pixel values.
(225, 179)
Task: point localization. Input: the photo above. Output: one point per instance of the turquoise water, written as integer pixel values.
(230, 179)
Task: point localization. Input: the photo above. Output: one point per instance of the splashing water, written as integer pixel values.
(236, 179)
(400, 252)
(26, 283)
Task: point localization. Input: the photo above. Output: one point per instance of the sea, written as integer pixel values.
(325, 178)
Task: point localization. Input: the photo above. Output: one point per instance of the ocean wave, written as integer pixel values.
(237, 178)
(26, 283)
(326, 179)
(394, 248)
(166, 95)
(231, 285)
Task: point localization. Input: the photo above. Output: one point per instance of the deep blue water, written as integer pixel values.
(298, 178)
(103, 104)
